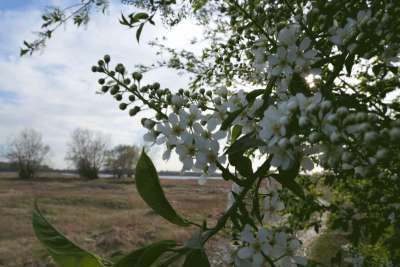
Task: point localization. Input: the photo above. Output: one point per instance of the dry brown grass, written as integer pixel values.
(104, 216)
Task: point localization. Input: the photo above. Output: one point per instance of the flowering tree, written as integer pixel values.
(284, 88)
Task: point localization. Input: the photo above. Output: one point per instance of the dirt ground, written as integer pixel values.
(105, 216)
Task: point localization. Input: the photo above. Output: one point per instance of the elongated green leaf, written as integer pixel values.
(145, 256)
(244, 143)
(64, 252)
(153, 252)
(131, 259)
(196, 258)
(139, 31)
(149, 188)
(236, 132)
(231, 117)
(253, 94)
(139, 16)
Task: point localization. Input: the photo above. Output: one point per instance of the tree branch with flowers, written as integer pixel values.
(319, 82)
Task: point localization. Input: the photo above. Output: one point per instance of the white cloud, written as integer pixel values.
(55, 90)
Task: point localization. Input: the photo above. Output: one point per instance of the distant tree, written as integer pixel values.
(87, 152)
(121, 160)
(27, 151)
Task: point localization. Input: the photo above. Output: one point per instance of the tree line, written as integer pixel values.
(88, 152)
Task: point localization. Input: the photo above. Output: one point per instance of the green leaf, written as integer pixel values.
(287, 179)
(64, 252)
(253, 94)
(139, 32)
(131, 259)
(196, 258)
(236, 132)
(198, 4)
(242, 164)
(149, 188)
(145, 256)
(139, 16)
(153, 252)
(244, 143)
(231, 117)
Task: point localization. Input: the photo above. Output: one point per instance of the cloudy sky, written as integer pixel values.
(54, 91)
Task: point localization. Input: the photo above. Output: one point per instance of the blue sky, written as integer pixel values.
(54, 91)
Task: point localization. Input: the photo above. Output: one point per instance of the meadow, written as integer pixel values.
(106, 216)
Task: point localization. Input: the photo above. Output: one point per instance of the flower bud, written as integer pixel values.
(342, 111)
(147, 123)
(347, 157)
(283, 142)
(303, 121)
(292, 105)
(370, 137)
(326, 105)
(118, 97)
(134, 111)
(114, 89)
(123, 106)
(120, 68)
(394, 134)
(284, 120)
(382, 154)
(132, 98)
(101, 81)
(127, 81)
(332, 118)
(314, 137)
(95, 69)
(294, 140)
(107, 58)
(312, 108)
(335, 137)
(137, 76)
(105, 88)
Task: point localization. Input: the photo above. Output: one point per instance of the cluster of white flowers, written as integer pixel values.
(194, 137)
(273, 204)
(346, 36)
(354, 32)
(265, 246)
(325, 134)
(293, 55)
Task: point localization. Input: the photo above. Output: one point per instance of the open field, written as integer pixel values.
(104, 216)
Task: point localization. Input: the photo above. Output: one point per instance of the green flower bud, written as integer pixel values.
(133, 88)
(181, 91)
(95, 69)
(107, 59)
(120, 68)
(118, 97)
(105, 88)
(202, 91)
(132, 98)
(101, 81)
(123, 106)
(156, 86)
(137, 76)
(100, 62)
(209, 93)
(134, 111)
(115, 89)
(112, 73)
(127, 81)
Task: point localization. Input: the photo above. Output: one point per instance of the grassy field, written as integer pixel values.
(105, 216)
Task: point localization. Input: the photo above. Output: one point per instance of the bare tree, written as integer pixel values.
(27, 151)
(87, 151)
(121, 160)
